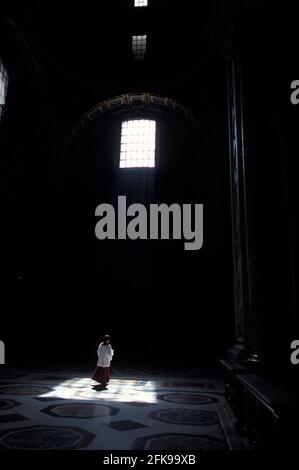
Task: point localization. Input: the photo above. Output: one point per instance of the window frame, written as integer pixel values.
(132, 117)
(139, 59)
(141, 6)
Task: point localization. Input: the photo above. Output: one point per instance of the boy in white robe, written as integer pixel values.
(105, 354)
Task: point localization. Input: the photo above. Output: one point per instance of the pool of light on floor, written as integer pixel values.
(119, 390)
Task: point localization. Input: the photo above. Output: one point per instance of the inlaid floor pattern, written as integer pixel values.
(62, 409)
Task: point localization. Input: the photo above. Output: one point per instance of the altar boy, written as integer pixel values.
(105, 354)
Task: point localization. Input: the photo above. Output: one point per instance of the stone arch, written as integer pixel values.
(136, 102)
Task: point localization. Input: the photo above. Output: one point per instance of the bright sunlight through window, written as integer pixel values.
(138, 144)
(140, 3)
(120, 390)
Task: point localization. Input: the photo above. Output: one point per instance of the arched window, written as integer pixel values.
(138, 144)
(3, 88)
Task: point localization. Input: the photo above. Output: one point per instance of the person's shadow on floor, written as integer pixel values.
(99, 387)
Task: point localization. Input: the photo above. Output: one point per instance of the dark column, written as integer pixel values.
(246, 346)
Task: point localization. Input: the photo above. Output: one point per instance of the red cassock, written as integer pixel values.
(101, 375)
(102, 371)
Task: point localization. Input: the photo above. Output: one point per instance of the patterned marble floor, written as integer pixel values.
(62, 409)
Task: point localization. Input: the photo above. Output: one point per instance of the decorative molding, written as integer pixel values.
(133, 102)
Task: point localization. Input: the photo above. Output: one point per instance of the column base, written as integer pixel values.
(237, 351)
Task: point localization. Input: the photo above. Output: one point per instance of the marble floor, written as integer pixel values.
(141, 409)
